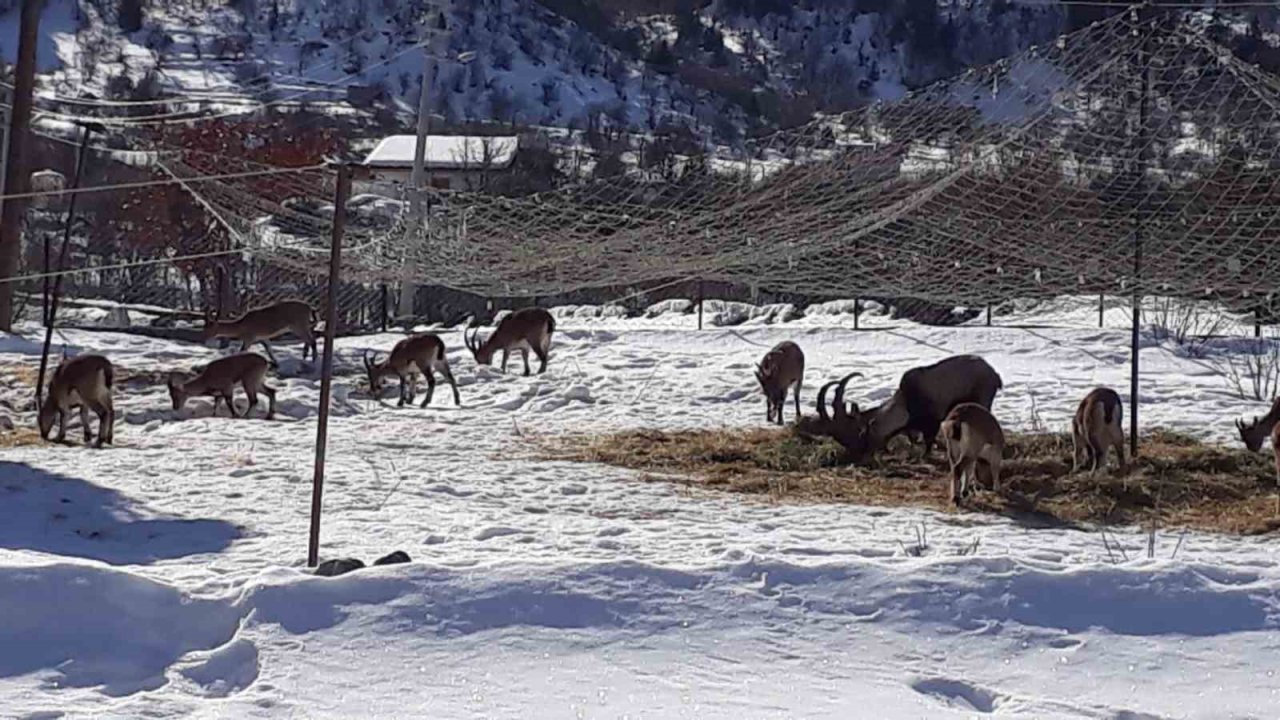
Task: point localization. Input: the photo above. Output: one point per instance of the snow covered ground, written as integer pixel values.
(164, 576)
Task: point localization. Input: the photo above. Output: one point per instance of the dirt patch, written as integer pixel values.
(1177, 480)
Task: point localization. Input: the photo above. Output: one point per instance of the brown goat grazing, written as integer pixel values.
(924, 397)
(974, 441)
(781, 368)
(84, 381)
(524, 330)
(417, 353)
(1275, 451)
(1256, 432)
(841, 422)
(264, 323)
(1096, 429)
(219, 378)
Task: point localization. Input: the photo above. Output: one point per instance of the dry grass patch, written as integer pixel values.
(19, 437)
(1177, 481)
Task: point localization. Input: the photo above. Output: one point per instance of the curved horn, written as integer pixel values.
(822, 401)
(837, 403)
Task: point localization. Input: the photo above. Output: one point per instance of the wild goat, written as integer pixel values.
(782, 367)
(842, 423)
(264, 323)
(524, 330)
(1096, 429)
(924, 397)
(218, 379)
(417, 353)
(85, 381)
(1256, 432)
(974, 441)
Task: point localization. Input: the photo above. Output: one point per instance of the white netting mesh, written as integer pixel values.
(1028, 177)
(1039, 175)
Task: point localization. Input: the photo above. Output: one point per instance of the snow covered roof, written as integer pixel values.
(446, 152)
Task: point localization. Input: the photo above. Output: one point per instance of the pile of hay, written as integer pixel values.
(1177, 480)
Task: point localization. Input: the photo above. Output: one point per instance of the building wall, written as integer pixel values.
(471, 180)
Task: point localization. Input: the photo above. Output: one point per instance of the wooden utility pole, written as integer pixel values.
(417, 179)
(326, 372)
(17, 180)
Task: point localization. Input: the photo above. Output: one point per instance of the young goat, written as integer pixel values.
(973, 439)
(218, 379)
(524, 330)
(1096, 429)
(1256, 432)
(85, 381)
(263, 324)
(420, 353)
(1275, 451)
(782, 367)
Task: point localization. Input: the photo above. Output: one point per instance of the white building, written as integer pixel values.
(453, 162)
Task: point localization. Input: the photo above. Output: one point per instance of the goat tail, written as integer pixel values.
(1113, 412)
(108, 375)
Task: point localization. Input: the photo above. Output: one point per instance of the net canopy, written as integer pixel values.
(1131, 156)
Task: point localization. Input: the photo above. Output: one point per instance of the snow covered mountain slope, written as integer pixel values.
(721, 69)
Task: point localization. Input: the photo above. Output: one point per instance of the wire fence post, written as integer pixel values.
(52, 311)
(1138, 221)
(1101, 308)
(701, 300)
(988, 314)
(326, 372)
(384, 307)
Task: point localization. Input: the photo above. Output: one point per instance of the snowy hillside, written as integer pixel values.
(722, 69)
(162, 576)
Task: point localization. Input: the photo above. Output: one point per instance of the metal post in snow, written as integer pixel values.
(701, 300)
(384, 307)
(52, 310)
(1139, 220)
(326, 372)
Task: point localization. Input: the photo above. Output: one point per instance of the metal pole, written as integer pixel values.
(988, 314)
(326, 372)
(408, 290)
(857, 310)
(1138, 218)
(701, 300)
(384, 307)
(16, 178)
(1101, 308)
(46, 240)
(62, 264)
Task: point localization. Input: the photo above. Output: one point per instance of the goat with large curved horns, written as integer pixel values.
(924, 397)
(838, 421)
